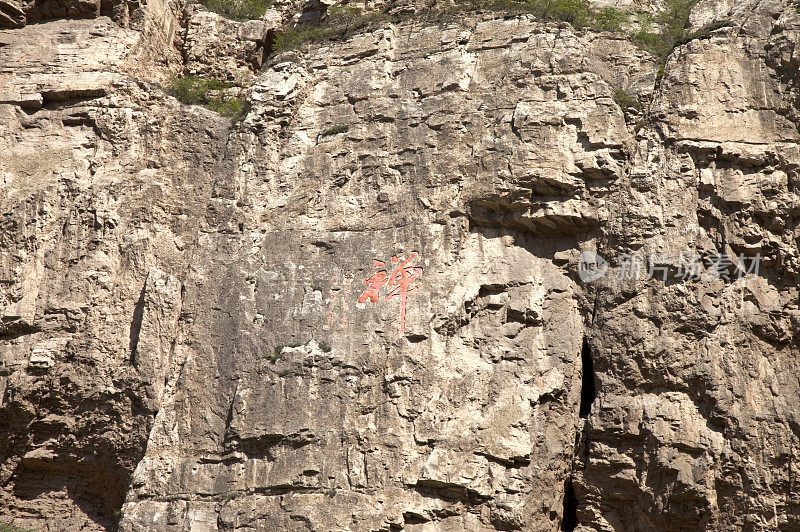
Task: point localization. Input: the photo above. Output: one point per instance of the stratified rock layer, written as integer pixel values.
(360, 307)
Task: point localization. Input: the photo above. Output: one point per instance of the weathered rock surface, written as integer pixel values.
(19, 13)
(11, 14)
(219, 48)
(182, 344)
(93, 199)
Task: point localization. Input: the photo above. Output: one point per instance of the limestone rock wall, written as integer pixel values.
(19, 13)
(104, 182)
(696, 425)
(360, 307)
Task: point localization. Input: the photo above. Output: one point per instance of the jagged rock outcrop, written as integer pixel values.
(361, 307)
(218, 48)
(19, 13)
(11, 14)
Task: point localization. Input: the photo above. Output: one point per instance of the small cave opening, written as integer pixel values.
(588, 390)
(569, 521)
(270, 44)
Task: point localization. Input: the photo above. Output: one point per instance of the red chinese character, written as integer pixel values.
(374, 283)
(401, 280)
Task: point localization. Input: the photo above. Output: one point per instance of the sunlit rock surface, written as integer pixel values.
(361, 306)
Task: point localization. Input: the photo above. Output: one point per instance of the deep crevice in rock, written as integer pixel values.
(570, 520)
(588, 389)
(412, 518)
(16, 330)
(136, 325)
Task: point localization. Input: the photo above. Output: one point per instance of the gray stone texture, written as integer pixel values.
(182, 346)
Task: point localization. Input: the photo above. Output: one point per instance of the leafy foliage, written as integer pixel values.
(579, 13)
(610, 19)
(194, 91)
(238, 9)
(335, 130)
(659, 35)
(340, 22)
(7, 527)
(278, 348)
(206, 92)
(232, 107)
(705, 31)
(626, 100)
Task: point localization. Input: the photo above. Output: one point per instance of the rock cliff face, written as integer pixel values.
(361, 306)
